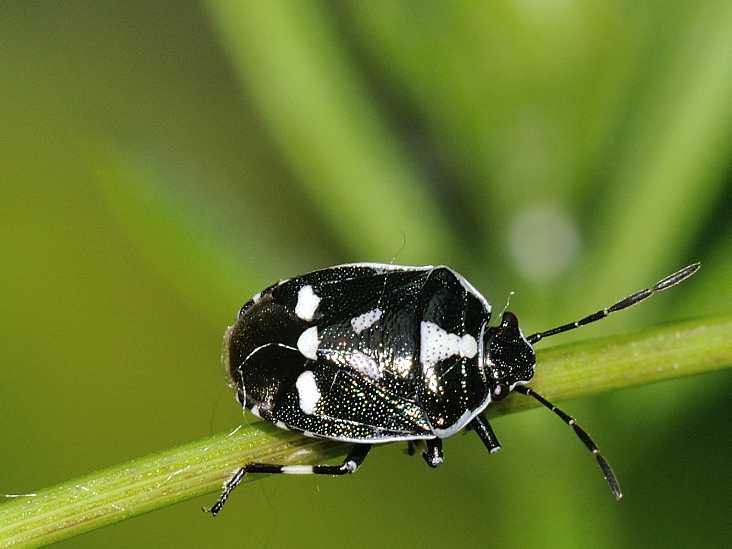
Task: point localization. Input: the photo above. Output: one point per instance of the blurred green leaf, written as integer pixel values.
(329, 132)
(183, 253)
(672, 161)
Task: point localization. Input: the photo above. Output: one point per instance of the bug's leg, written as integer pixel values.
(433, 453)
(489, 439)
(607, 472)
(353, 461)
(232, 483)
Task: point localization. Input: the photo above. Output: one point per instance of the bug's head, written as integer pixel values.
(509, 358)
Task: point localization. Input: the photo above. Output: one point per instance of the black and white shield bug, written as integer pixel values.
(369, 353)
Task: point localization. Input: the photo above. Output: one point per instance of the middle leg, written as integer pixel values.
(481, 426)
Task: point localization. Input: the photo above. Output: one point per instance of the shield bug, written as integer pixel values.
(368, 353)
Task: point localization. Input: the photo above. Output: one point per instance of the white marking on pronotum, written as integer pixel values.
(256, 297)
(468, 346)
(307, 390)
(437, 344)
(364, 364)
(297, 469)
(366, 320)
(307, 303)
(308, 343)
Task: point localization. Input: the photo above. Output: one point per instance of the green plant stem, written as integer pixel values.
(123, 491)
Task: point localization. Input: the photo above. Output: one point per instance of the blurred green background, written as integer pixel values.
(161, 162)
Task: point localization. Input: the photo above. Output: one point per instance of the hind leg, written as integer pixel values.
(353, 461)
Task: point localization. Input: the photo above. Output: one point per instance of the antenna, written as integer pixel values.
(663, 284)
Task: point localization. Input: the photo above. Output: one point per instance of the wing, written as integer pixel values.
(350, 370)
(328, 401)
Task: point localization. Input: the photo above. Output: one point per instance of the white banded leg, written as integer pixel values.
(433, 455)
(353, 461)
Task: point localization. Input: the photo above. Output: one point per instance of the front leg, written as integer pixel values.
(481, 426)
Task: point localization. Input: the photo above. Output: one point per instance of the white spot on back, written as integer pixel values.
(307, 303)
(364, 364)
(307, 390)
(468, 346)
(437, 344)
(366, 320)
(308, 343)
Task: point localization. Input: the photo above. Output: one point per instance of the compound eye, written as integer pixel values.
(499, 391)
(509, 320)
